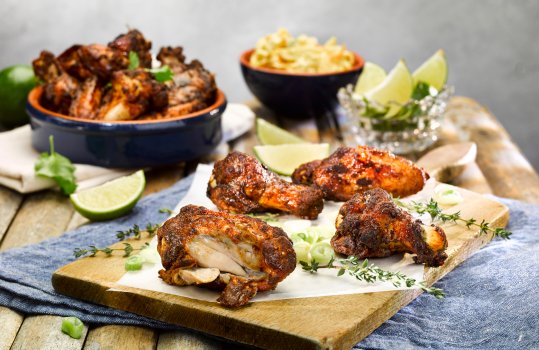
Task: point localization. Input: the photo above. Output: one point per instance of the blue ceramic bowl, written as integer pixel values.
(127, 144)
(294, 95)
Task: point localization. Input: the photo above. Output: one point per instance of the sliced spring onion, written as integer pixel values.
(321, 232)
(322, 252)
(134, 263)
(293, 226)
(447, 195)
(311, 236)
(298, 236)
(72, 326)
(302, 249)
(150, 255)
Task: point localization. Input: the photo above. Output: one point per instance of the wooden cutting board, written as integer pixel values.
(334, 322)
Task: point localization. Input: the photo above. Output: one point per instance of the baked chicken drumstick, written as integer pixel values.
(371, 225)
(354, 170)
(237, 254)
(241, 184)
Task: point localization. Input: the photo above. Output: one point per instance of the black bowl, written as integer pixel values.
(295, 95)
(127, 144)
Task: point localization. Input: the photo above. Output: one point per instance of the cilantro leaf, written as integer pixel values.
(58, 168)
(161, 74)
(134, 61)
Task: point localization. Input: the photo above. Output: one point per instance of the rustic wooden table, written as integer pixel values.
(500, 169)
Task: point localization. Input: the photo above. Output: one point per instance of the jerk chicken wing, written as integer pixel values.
(87, 99)
(354, 170)
(60, 89)
(193, 87)
(239, 183)
(83, 62)
(237, 254)
(132, 94)
(371, 225)
(134, 41)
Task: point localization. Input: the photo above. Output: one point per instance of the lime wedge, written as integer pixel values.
(284, 159)
(371, 76)
(270, 134)
(395, 90)
(433, 71)
(111, 199)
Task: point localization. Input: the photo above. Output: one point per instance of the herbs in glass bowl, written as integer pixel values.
(399, 111)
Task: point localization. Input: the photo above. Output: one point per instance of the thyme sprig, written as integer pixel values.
(92, 250)
(166, 211)
(433, 209)
(370, 273)
(136, 231)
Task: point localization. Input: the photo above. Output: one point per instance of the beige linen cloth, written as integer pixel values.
(17, 157)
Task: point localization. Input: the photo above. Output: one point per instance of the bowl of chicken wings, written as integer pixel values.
(113, 106)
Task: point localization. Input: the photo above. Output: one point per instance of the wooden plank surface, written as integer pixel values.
(11, 322)
(335, 322)
(507, 171)
(112, 337)
(43, 332)
(9, 204)
(41, 215)
(181, 340)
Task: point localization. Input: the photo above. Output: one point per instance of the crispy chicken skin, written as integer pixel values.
(60, 88)
(371, 225)
(87, 100)
(193, 87)
(132, 94)
(234, 253)
(239, 183)
(96, 60)
(354, 170)
(134, 41)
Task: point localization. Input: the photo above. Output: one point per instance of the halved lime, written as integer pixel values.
(284, 159)
(270, 134)
(111, 199)
(433, 71)
(371, 76)
(395, 90)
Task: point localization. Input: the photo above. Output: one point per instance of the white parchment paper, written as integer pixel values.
(299, 284)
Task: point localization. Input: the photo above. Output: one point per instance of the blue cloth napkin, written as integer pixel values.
(490, 299)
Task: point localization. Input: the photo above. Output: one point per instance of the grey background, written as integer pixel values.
(492, 45)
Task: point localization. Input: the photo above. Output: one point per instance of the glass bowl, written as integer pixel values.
(413, 129)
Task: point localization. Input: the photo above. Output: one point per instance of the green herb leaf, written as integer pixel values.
(161, 74)
(151, 229)
(370, 273)
(134, 61)
(433, 209)
(166, 211)
(421, 91)
(128, 249)
(58, 168)
(134, 232)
